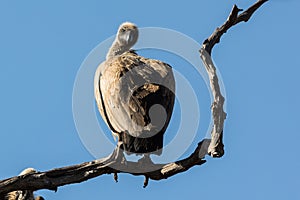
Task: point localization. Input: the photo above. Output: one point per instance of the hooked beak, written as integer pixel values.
(129, 37)
(126, 37)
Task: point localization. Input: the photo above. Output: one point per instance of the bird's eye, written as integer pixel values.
(122, 30)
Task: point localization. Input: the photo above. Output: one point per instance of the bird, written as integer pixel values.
(22, 194)
(134, 95)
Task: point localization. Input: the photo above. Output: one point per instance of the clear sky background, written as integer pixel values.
(43, 43)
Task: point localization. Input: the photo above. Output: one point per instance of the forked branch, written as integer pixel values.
(216, 148)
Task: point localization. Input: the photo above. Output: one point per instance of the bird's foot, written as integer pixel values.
(145, 161)
(116, 158)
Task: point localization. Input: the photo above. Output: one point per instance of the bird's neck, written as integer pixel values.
(116, 49)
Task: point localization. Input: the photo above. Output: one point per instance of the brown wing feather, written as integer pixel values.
(130, 86)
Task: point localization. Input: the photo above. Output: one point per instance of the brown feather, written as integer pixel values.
(130, 86)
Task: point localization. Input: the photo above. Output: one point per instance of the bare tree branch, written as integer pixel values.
(55, 178)
(233, 19)
(78, 173)
(216, 148)
(21, 194)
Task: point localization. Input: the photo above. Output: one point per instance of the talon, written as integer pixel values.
(145, 161)
(116, 158)
(145, 164)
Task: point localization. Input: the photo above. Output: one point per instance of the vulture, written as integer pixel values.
(134, 95)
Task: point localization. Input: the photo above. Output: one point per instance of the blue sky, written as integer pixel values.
(42, 46)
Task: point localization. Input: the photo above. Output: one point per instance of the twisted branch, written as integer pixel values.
(216, 148)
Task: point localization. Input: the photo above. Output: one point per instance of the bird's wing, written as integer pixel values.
(130, 86)
(99, 71)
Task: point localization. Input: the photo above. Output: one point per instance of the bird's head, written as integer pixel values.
(28, 171)
(127, 35)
